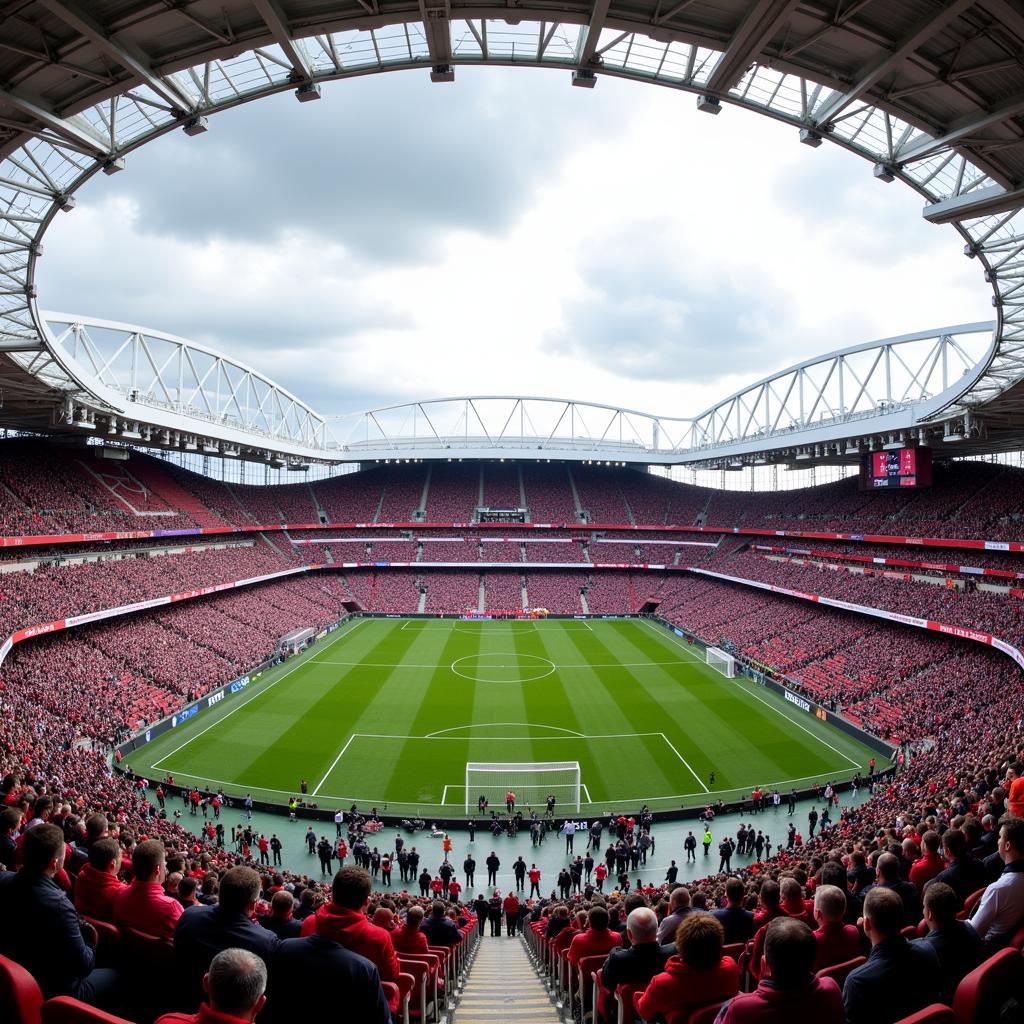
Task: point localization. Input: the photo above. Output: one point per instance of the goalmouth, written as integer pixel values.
(531, 782)
(721, 661)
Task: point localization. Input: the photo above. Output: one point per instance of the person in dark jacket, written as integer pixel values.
(317, 979)
(494, 913)
(40, 928)
(957, 945)
(280, 920)
(899, 978)
(737, 921)
(439, 929)
(482, 909)
(638, 962)
(202, 932)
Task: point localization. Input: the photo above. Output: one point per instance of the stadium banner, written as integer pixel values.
(962, 632)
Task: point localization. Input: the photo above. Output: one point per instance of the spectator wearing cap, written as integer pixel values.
(97, 884)
(40, 929)
(143, 905)
(1001, 908)
(836, 942)
(698, 973)
(957, 945)
(789, 990)
(899, 978)
(235, 985)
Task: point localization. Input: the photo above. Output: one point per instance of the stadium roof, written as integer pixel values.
(931, 93)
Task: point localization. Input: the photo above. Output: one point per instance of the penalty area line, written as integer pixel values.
(685, 762)
(333, 763)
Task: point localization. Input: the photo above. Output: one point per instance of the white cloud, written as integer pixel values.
(613, 246)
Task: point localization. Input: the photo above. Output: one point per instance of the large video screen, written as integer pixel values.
(901, 467)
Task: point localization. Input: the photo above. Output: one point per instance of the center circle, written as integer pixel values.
(507, 667)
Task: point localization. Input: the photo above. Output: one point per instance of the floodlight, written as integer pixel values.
(113, 165)
(66, 203)
(810, 138)
(885, 172)
(584, 79)
(308, 91)
(196, 126)
(442, 73)
(709, 104)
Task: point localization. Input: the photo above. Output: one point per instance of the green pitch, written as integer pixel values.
(388, 712)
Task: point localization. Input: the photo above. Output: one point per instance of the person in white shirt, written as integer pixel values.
(339, 820)
(1001, 909)
(568, 830)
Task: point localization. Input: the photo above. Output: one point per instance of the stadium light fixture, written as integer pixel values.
(885, 172)
(196, 126)
(442, 73)
(307, 92)
(709, 104)
(584, 78)
(811, 138)
(113, 165)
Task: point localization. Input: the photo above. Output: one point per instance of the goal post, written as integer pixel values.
(532, 782)
(721, 661)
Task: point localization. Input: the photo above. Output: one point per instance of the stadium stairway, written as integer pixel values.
(502, 986)
(151, 474)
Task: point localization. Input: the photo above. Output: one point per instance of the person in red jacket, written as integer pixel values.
(698, 974)
(600, 874)
(511, 908)
(144, 905)
(409, 938)
(597, 939)
(235, 985)
(789, 991)
(97, 883)
(792, 902)
(836, 942)
(930, 863)
(534, 876)
(344, 920)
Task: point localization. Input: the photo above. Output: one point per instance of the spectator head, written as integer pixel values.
(282, 905)
(42, 850)
(829, 904)
(770, 894)
(148, 861)
(437, 909)
(833, 873)
(43, 808)
(940, 906)
(383, 917)
(1015, 770)
(187, 891)
(642, 926)
(954, 844)
(699, 941)
(1011, 839)
(888, 868)
(791, 891)
(789, 949)
(351, 888)
(883, 915)
(734, 891)
(414, 918)
(679, 900)
(235, 983)
(597, 919)
(105, 855)
(239, 891)
(96, 827)
(930, 842)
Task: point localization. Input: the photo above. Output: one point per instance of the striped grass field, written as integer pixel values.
(386, 712)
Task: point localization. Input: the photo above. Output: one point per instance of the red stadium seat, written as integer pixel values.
(838, 972)
(982, 992)
(108, 944)
(65, 1010)
(20, 998)
(934, 1014)
(971, 902)
(706, 1014)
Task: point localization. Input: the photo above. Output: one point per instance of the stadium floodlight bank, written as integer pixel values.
(531, 781)
(721, 661)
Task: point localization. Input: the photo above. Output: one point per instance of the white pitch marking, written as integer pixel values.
(333, 763)
(778, 711)
(238, 707)
(486, 725)
(685, 762)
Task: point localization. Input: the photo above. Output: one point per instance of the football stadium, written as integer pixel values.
(351, 672)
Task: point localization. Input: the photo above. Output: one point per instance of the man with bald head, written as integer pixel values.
(638, 962)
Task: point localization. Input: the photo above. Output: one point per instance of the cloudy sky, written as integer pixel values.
(506, 234)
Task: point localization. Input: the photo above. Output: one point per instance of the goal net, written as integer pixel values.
(722, 662)
(532, 782)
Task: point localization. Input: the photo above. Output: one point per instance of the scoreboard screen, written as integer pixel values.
(903, 467)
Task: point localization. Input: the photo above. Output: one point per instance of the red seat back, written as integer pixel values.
(20, 998)
(838, 972)
(934, 1014)
(65, 1010)
(982, 992)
